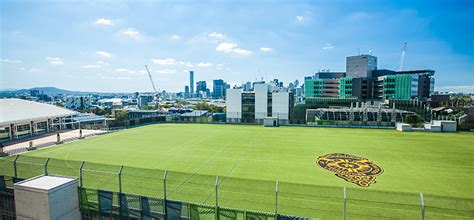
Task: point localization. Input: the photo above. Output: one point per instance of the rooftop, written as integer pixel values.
(195, 113)
(46, 182)
(19, 110)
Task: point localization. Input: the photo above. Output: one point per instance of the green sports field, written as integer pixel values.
(249, 159)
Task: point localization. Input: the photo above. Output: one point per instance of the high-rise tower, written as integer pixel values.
(191, 82)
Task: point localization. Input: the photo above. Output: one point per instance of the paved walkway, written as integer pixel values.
(49, 138)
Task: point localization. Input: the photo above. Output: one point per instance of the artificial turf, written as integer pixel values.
(249, 159)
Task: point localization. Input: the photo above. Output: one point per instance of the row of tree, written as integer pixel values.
(211, 108)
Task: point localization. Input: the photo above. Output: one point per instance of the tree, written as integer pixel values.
(412, 119)
(201, 106)
(121, 116)
(211, 108)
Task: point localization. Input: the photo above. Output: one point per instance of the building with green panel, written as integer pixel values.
(345, 87)
(313, 87)
(400, 86)
(362, 80)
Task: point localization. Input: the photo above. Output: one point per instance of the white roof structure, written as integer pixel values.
(14, 111)
(46, 182)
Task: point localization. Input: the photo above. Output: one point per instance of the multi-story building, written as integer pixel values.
(201, 86)
(186, 92)
(78, 102)
(360, 66)
(191, 82)
(254, 106)
(218, 89)
(321, 87)
(364, 81)
(328, 75)
(403, 84)
(143, 100)
(247, 86)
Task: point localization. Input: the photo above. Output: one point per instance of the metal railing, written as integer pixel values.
(267, 196)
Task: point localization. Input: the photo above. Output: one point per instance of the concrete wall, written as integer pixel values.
(270, 122)
(234, 105)
(261, 100)
(404, 127)
(281, 105)
(360, 66)
(449, 126)
(439, 126)
(37, 199)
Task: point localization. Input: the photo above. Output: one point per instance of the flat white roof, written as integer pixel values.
(18, 110)
(46, 182)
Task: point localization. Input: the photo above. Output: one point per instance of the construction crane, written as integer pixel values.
(402, 58)
(151, 79)
(152, 82)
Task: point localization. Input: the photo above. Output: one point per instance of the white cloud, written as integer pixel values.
(103, 63)
(90, 66)
(166, 71)
(204, 64)
(242, 52)
(132, 33)
(300, 18)
(130, 71)
(226, 47)
(55, 60)
(232, 48)
(171, 61)
(175, 37)
(123, 78)
(188, 64)
(122, 70)
(265, 49)
(10, 61)
(165, 62)
(216, 35)
(104, 21)
(219, 66)
(328, 46)
(34, 70)
(464, 89)
(103, 54)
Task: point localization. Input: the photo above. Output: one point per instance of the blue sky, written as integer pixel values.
(104, 45)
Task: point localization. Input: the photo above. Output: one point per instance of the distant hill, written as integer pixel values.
(47, 91)
(54, 91)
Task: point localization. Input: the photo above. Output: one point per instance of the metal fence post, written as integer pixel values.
(422, 206)
(14, 166)
(120, 191)
(120, 178)
(164, 192)
(344, 211)
(276, 198)
(217, 197)
(80, 173)
(46, 167)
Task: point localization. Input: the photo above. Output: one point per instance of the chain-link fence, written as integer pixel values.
(209, 192)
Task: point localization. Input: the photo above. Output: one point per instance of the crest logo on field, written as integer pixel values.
(354, 169)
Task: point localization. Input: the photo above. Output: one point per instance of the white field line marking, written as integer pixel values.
(203, 166)
(241, 157)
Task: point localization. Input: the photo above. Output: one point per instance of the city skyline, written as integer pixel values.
(103, 46)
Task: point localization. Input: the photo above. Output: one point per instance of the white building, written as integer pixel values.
(254, 106)
(234, 105)
(111, 103)
(24, 118)
(78, 102)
